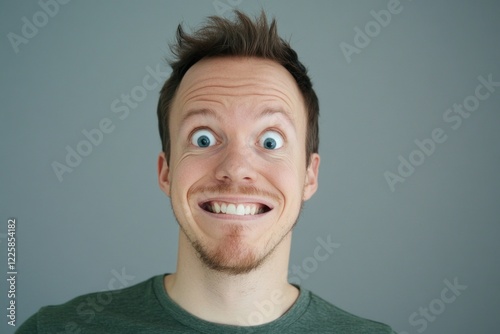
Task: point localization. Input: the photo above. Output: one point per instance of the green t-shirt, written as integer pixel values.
(147, 308)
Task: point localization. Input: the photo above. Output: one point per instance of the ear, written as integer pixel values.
(311, 181)
(163, 174)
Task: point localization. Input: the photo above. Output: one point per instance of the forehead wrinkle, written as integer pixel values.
(235, 70)
(230, 82)
(224, 87)
(211, 95)
(233, 87)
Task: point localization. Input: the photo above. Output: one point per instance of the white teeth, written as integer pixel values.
(231, 209)
(240, 210)
(235, 209)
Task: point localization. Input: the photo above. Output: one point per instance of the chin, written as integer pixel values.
(230, 257)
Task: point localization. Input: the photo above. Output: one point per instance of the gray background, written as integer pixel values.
(396, 247)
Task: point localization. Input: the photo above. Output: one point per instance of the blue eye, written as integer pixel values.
(271, 140)
(203, 138)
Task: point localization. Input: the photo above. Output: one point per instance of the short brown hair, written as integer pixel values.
(221, 37)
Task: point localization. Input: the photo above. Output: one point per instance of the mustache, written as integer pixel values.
(228, 189)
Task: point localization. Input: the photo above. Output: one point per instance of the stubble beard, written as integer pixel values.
(230, 256)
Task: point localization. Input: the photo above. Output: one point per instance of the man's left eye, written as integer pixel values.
(271, 140)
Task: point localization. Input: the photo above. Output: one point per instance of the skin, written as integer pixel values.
(227, 264)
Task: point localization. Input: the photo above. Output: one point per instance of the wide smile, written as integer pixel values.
(239, 209)
(224, 208)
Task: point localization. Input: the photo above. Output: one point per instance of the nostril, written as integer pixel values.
(235, 169)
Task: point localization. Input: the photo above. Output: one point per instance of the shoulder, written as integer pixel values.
(330, 318)
(93, 310)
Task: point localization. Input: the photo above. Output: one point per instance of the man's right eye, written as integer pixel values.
(203, 138)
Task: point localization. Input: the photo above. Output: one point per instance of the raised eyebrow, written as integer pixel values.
(211, 113)
(273, 111)
(200, 112)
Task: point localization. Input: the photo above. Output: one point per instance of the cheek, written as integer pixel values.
(287, 176)
(184, 174)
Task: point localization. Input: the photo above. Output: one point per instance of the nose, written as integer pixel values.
(236, 165)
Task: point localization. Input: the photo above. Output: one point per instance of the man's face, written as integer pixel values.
(237, 175)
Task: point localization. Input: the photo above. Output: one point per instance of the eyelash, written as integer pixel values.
(216, 137)
(190, 136)
(275, 130)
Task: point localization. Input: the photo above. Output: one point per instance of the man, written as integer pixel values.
(238, 120)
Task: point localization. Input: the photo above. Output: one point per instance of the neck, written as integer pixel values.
(232, 299)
